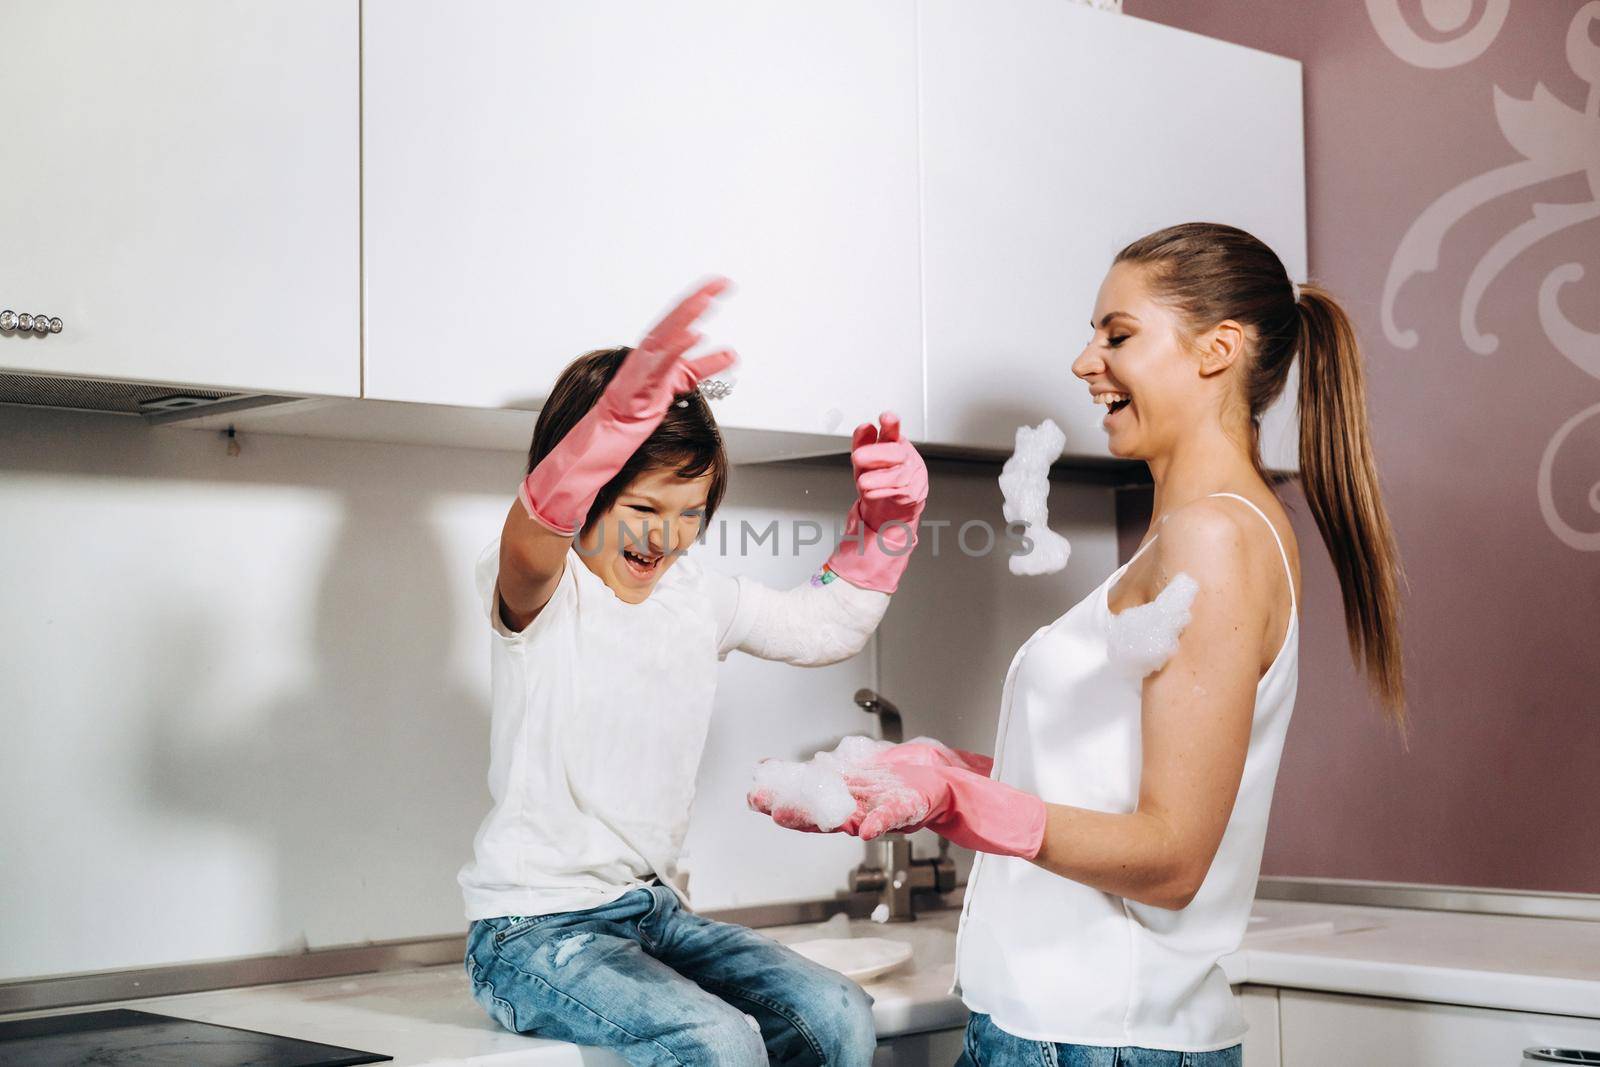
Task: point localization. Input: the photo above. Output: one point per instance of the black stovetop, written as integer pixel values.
(126, 1038)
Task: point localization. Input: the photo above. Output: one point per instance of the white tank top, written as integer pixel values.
(1051, 959)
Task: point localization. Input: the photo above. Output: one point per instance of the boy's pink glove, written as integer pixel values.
(892, 490)
(946, 790)
(560, 490)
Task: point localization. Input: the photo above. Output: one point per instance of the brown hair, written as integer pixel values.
(686, 441)
(1209, 272)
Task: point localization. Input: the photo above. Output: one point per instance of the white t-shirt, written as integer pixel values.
(599, 717)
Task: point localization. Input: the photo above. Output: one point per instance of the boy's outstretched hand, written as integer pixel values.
(891, 479)
(891, 491)
(655, 372)
(558, 491)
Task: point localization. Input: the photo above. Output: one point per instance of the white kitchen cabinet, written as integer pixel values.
(542, 179)
(1052, 135)
(179, 185)
(1335, 1030)
(1260, 1007)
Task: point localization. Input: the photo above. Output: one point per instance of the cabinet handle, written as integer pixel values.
(10, 320)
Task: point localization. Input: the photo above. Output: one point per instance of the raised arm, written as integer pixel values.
(831, 617)
(810, 625)
(555, 498)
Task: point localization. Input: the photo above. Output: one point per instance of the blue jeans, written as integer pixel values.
(989, 1046)
(665, 986)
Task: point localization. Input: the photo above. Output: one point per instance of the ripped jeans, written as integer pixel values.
(661, 985)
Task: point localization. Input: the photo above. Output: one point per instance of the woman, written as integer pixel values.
(1122, 822)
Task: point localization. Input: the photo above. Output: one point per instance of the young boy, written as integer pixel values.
(605, 644)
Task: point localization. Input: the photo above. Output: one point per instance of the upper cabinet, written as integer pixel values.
(417, 202)
(1053, 135)
(179, 186)
(544, 179)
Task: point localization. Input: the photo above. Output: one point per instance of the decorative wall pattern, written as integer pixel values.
(1553, 140)
(1452, 174)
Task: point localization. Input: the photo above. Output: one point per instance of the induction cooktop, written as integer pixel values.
(142, 1039)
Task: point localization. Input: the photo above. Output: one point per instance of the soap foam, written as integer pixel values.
(1025, 485)
(816, 789)
(1142, 639)
(817, 792)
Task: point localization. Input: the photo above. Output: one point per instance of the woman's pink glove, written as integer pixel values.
(947, 790)
(560, 490)
(926, 752)
(892, 489)
(919, 752)
(969, 809)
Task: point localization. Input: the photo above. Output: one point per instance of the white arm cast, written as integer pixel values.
(808, 626)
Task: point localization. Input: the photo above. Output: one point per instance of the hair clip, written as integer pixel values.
(1295, 288)
(710, 389)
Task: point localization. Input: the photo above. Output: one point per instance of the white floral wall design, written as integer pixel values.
(1554, 140)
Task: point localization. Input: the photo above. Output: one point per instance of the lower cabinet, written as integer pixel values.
(937, 1048)
(1297, 1028)
(1260, 1006)
(1336, 1030)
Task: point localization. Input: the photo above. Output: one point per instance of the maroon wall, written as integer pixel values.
(1494, 496)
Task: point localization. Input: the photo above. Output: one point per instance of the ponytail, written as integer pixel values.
(1340, 481)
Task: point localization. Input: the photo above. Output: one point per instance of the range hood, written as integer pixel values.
(156, 403)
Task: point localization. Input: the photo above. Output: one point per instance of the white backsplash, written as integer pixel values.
(245, 698)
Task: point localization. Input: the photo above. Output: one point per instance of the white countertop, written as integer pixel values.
(1490, 961)
(426, 1015)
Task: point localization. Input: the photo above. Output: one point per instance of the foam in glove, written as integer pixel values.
(827, 788)
(1025, 485)
(816, 788)
(1142, 639)
(816, 791)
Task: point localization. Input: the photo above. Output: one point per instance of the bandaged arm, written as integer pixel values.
(810, 625)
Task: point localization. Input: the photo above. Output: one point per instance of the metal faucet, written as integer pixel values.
(896, 874)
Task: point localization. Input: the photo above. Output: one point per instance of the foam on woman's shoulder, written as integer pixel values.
(1143, 638)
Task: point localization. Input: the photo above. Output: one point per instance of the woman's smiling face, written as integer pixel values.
(1137, 351)
(653, 522)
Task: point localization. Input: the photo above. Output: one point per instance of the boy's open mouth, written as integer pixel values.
(641, 566)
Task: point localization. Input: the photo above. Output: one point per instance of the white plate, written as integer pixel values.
(860, 958)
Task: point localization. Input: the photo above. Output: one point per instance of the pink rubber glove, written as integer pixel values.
(948, 791)
(560, 490)
(892, 489)
(969, 809)
(932, 753)
(913, 753)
